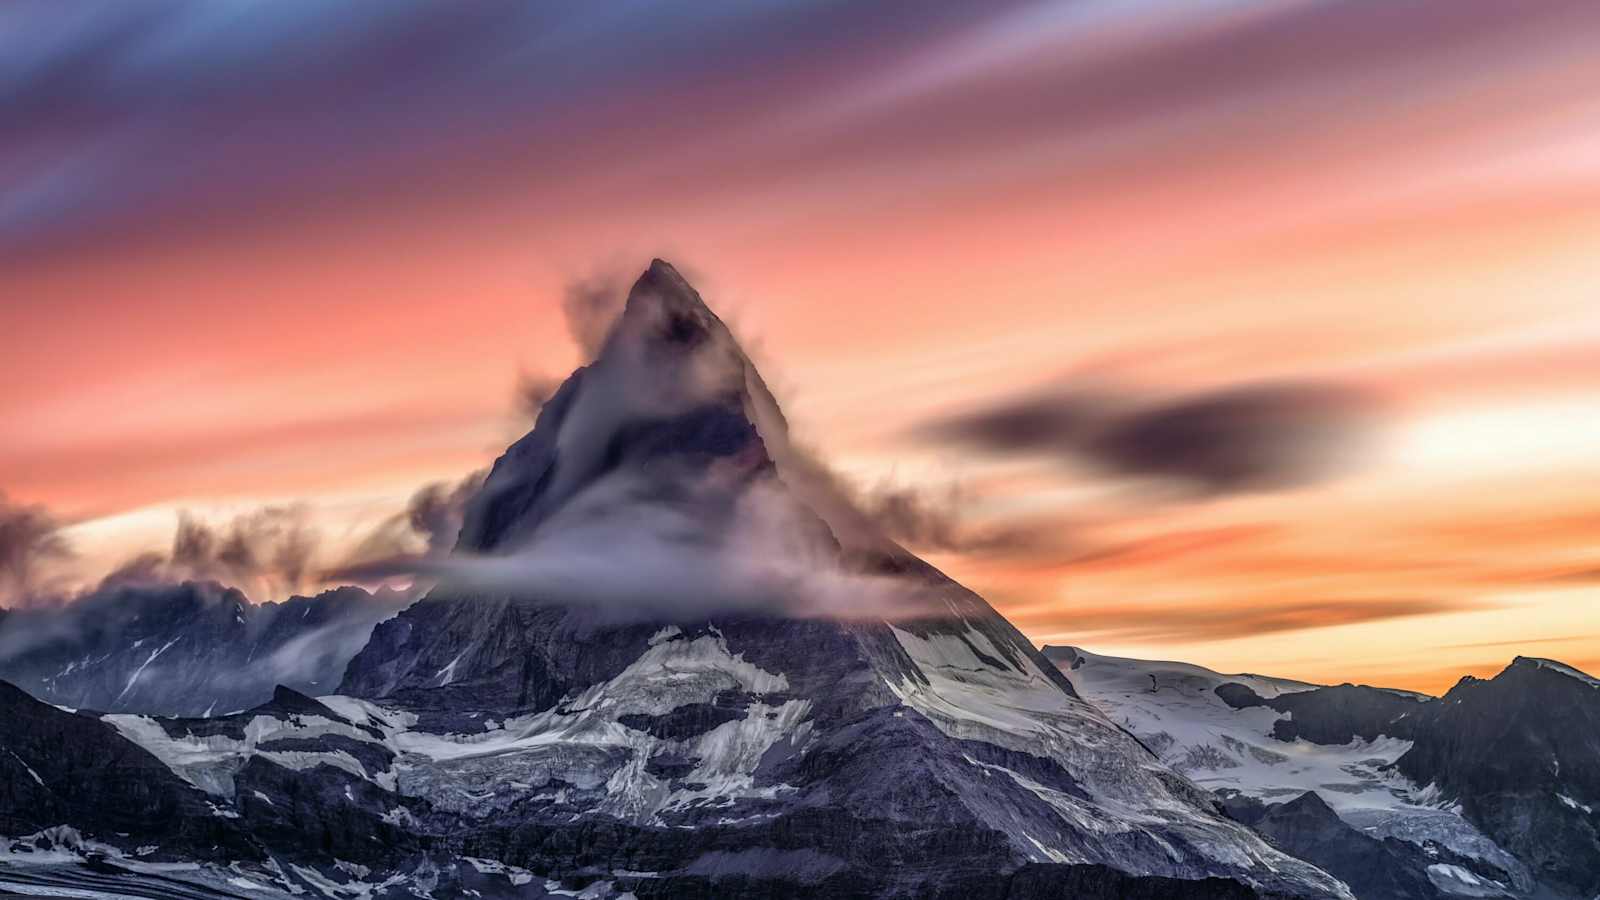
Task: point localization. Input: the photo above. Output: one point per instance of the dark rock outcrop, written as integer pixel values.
(1375, 868)
(1521, 753)
(1334, 715)
(62, 768)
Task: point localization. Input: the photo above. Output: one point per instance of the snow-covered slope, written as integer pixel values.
(1174, 709)
(1240, 751)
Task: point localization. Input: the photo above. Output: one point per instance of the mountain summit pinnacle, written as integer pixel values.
(662, 294)
(669, 398)
(665, 280)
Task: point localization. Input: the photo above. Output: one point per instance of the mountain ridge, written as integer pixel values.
(1492, 780)
(186, 648)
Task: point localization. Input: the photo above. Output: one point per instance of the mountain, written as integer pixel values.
(1376, 868)
(668, 659)
(810, 701)
(58, 768)
(127, 805)
(185, 649)
(1488, 791)
(1520, 754)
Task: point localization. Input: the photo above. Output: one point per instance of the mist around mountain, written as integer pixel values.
(191, 648)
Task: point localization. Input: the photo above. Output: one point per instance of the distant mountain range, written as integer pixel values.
(665, 661)
(186, 649)
(1487, 791)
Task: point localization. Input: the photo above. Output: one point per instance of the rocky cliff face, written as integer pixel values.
(1376, 868)
(1520, 753)
(1334, 715)
(61, 768)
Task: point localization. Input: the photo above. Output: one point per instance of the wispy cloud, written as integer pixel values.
(30, 542)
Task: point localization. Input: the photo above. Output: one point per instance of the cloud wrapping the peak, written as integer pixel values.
(533, 392)
(622, 550)
(661, 485)
(427, 527)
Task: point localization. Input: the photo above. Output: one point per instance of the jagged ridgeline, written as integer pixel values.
(1488, 791)
(667, 658)
(189, 649)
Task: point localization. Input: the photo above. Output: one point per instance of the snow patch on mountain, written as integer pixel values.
(134, 678)
(975, 690)
(1573, 804)
(210, 761)
(1564, 669)
(980, 698)
(580, 741)
(1173, 708)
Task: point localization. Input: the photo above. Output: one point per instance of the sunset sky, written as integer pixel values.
(297, 254)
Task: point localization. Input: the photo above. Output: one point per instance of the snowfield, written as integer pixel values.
(1173, 709)
(579, 742)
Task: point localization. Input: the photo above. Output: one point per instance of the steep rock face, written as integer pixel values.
(58, 768)
(673, 620)
(1334, 715)
(289, 798)
(1375, 868)
(185, 649)
(1521, 754)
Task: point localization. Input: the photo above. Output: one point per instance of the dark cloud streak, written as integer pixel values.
(1249, 438)
(189, 114)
